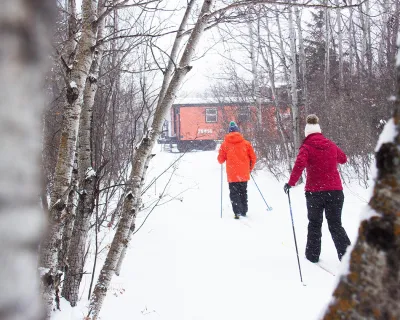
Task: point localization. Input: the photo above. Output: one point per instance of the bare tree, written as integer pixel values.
(138, 161)
(79, 71)
(86, 175)
(293, 82)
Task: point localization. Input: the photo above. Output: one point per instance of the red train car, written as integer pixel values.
(200, 126)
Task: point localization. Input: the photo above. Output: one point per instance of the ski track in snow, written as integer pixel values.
(187, 263)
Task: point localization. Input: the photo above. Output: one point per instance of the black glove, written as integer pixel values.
(286, 187)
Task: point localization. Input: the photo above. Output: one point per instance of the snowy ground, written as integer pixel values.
(186, 263)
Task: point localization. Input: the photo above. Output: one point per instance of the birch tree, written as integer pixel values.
(138, 161)
(268, 58)
(293, 82)
(254, 70)
(340, 45)
(302, 59)
(86, 176)
(62, 179)
(25, 47)
(69, 54)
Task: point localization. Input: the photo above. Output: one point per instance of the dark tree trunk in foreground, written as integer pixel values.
(371, 289)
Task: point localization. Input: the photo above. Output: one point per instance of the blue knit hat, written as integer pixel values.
(233, 127)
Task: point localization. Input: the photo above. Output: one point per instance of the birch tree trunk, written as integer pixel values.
(70, 211)
(351, 37)
(327, 52)
(63, 172)
(133, 225)
(109, 123)
(293, 82)
(382, 42)
(87, 178)
(363, 41)
(72, 32)
(166, 80)
(138, 162)
(254, 71)
(302, 59)
(271, 76)
(340, 45)
(368, 40)
(281, 47)
(370, 289)
(69, 56)
(25, 32)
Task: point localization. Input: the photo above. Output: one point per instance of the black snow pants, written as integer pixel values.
(332, 203)
(238, 195)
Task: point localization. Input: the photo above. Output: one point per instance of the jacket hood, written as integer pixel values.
(234, 137)
(318, 141)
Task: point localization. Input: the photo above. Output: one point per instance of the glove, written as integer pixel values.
(286, 187)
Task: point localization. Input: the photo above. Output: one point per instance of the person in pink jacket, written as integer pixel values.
(324, 191)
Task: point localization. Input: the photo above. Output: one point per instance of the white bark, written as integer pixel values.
(363, 39)
(302, 59)
(63, 172)
(70, 46)
(327, 52)
(69, 219)
(271, 76)
(110, 116)
(281, 47)
(133, 226)
(351, 37)
(293, 83)
(368, 38)
(24, 49)
(254, 71)
(69, 52)
(340, 44)
(138, 162)
(76, 253)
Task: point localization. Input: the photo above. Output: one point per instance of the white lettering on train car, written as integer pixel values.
(203, 131)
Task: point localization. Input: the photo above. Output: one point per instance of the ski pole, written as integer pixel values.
(268, 207)
(294, 236)
(222, 169)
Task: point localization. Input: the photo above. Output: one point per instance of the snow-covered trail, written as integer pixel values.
(186, 263)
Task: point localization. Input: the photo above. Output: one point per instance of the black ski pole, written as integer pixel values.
(222, 169)
(268, 207)
(294, 236)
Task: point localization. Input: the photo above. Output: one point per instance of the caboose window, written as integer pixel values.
(211, 115)
(244, 115)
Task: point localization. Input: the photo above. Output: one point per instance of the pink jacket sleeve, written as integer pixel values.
(299, 165)
(341, 156)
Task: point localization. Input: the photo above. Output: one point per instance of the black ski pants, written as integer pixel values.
(332, 203)
(238, 195)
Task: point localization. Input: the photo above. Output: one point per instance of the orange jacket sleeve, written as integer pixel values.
(222, 154)
(252, 156)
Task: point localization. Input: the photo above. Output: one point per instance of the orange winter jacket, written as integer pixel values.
(239, 156)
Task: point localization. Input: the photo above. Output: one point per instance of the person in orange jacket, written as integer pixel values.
(240, 160)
